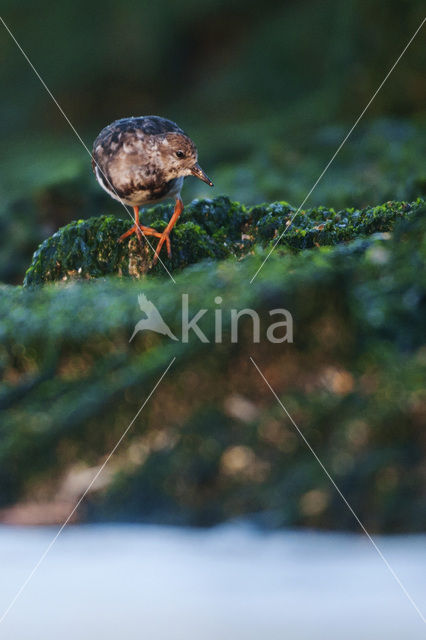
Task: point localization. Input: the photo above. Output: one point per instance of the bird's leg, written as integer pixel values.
(139, 229)
(165, 236)
(134, 229)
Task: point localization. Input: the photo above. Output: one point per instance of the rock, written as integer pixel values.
(208, 229)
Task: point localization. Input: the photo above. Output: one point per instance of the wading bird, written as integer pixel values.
(144, 160)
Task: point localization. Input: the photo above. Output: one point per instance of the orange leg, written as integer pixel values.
(165, 236)
(139, 229)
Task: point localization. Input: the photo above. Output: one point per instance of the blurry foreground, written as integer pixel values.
(213, 443)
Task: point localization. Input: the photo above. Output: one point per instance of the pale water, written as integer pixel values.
(232, 582)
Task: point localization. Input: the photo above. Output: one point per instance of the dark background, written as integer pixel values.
(256, 84)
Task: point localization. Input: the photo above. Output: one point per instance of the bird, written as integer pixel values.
(143, 160)
(153, 321)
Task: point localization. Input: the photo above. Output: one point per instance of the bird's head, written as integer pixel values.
(180, 158)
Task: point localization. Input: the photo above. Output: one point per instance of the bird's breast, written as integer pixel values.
(129, 165)
(138, 187)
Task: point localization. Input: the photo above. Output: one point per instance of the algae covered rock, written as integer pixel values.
(90, 249)
(322, 226)
(207, 229)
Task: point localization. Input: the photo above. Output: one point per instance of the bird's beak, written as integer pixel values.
(199, 173)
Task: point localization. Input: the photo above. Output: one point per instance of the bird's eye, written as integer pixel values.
(180, 154)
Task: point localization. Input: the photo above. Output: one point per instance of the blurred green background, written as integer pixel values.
(268, 91)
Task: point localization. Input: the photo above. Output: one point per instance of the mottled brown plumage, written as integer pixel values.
(144, 160)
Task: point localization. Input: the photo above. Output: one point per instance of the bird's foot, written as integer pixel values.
(164, 238)
(140, 231)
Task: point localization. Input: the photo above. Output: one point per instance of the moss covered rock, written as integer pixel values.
(215, 229)
(90, 249)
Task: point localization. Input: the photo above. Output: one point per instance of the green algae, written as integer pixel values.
(207, 229)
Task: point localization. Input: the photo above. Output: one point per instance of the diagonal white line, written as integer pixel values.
(341, 144)
(95, 477)
(80, 138)
(339, 492)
